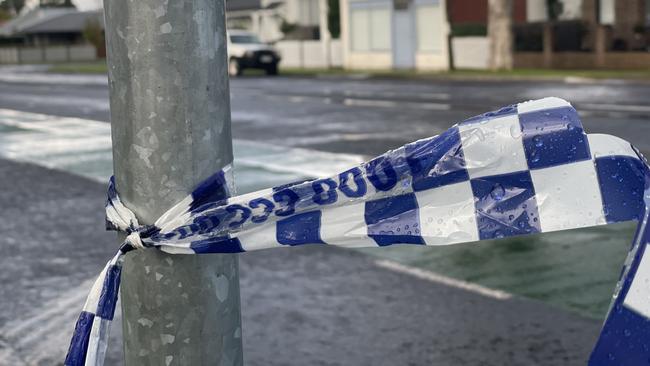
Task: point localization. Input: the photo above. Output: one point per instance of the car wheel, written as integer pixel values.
(272, 70)
(234, 69)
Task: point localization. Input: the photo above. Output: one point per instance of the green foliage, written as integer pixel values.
(56, 4)
(287, 27)
(4, 15)
(334, 19)
(640, 28)
(10, 7)
(468, 29)
(95, 67)
(94, 33)
(554, 8)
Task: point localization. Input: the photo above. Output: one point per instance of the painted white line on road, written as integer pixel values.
(381, 103)
(615, 107)
(585, 80)
(430, 106)
(368, 95)
(83, 146)
(37, 74)
(443, 280)
(86, 105)
(296, 99)
(370, 103)
(41, 336)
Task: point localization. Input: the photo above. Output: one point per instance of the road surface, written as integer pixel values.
(320, 306)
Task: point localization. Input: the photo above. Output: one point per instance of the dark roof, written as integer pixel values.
(30, 17)
(236, 5)
(274, 5)
(70, 22)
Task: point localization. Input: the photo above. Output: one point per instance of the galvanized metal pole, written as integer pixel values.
(325, 36)
(170, 115)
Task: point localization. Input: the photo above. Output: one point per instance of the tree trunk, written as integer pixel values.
(500, 34)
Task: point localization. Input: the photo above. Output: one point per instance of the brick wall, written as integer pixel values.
(628, 14)
(475, 11)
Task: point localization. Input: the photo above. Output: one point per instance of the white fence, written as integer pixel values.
(309, 54)
(295, 54)
(470, 52)
(31, 55)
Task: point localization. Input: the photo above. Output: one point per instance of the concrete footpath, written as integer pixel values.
(313, 305)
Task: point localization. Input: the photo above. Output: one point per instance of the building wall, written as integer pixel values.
(432, 52)
(355, 59)
(471, 52)
(475, 11)
(267, 23)
(369, 60)
(369, 35)
(620, 18)
(468, 11)
(628, 15)
(572, 9)
(301, 12)
(308, 54)
(536, 11)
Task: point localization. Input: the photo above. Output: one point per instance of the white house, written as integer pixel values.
(399, 34)
(267, 17)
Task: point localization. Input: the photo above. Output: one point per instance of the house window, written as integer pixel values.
(429, 28)
(607, 14)
(308, 12)
(370, 29)
(572, 9)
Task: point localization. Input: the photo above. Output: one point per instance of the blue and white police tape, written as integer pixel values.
(523, 169)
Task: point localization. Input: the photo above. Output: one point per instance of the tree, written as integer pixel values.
(11, 7)
(56, 4)
(554, 8)
(4, 15)
(93, 32)
(500, 34)
(334, 19)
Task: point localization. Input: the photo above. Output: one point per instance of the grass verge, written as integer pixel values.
(517, 74)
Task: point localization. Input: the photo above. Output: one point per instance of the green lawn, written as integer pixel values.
(518, 74)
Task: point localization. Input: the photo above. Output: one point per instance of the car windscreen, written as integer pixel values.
(244, 38)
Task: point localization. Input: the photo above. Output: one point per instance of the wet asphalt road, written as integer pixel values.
(330, 306)
(315, 305)
(363, 116)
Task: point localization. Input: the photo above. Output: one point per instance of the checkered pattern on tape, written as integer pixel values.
(523, 169)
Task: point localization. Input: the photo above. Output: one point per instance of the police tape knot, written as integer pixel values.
(135, 235)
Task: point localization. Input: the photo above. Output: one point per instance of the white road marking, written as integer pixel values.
(65, 142)
(382, 103)
(42, 335)
(443, 280)
(85, 104)
(423, 95)
(370, 103)
(615, 107)
(37, 74)
(83, 146)
(585, 80)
